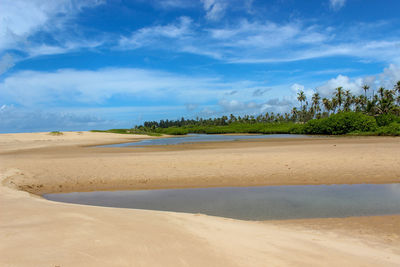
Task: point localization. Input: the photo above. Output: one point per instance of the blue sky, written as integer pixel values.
(92, 64)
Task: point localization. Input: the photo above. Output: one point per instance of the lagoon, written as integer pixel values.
(194, 138)
(253, 203)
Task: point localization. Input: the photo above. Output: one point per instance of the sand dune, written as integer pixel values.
(37, 232)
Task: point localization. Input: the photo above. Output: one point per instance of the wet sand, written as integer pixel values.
(36, 232)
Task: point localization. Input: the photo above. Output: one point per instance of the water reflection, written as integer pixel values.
(254, 203)
(193, 138)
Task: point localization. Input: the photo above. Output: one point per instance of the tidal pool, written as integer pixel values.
(253, 203)
(194, 138)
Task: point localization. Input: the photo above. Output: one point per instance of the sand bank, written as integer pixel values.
(36, 232)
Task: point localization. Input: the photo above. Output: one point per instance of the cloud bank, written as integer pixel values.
(336, 4)
(255, 42)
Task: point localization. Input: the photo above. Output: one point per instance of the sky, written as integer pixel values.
(98, 64)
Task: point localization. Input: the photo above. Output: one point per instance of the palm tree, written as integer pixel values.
(232, 118)
(315, 102)
(348, 101)
(301, 97)
(339, 96)
(327, 104)
(366, 88)
(361, 102)
(397, 87)
(386, 102)
(381, 91)
(334, 103)
(295, 113)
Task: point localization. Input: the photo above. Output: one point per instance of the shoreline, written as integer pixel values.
(212, 186)
(98, 236)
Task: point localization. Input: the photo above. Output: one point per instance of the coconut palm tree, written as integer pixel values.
(397, 90)
(327, 104)
(339, 96)
(381, 92)
(315, 103)
(295, 113)
(301, 97)
(366, 88)
(361, 102)
(348, 101)
(387, 101)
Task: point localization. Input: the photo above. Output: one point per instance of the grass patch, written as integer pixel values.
(56, 133)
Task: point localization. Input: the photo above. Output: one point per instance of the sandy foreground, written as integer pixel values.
(37, 232)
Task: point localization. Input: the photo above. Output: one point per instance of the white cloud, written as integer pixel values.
(278, 105)
(239, 41)
(20, 20)
(215, 9)
(247, 39)
(191, 106)
(6, 62)
(235, 105)
(263, 41)
(15, 119)
(259, 92)
(173, 4)
(337, 4)
(151, 35)
(296, 88)
(34, 87)
(96, 87)
(388, 78)
(354, 85)
(386, 51)
(92, 92)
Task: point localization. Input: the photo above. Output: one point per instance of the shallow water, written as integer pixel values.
(193, 138)
(254, 203)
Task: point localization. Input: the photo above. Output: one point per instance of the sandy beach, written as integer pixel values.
(37, 232)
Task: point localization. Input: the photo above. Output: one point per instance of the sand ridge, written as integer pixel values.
(37, 232)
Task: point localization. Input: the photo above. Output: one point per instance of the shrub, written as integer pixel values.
(341, 123)
(174, 131)
(56, 133)
(386, 119)
(391, 129)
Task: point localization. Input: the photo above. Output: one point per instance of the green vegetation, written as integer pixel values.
(56, 133)
(391, 129)
(343, 113)
(341, 123)
(255, 128)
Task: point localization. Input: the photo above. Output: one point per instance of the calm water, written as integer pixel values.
(254, 203)
(193, 138)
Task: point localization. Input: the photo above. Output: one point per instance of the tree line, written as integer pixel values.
(383, 102)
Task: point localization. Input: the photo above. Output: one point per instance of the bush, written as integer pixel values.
(254, 128)
(386, 119)
(175, 131)
(391, 129)
(56, 133)
(341, 123)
